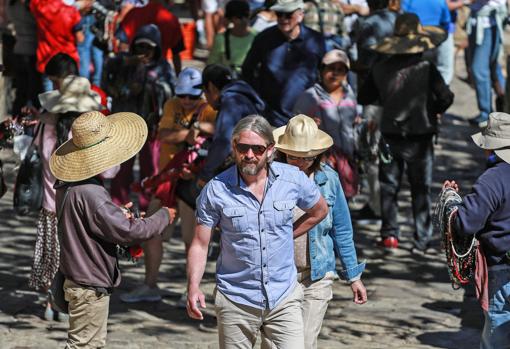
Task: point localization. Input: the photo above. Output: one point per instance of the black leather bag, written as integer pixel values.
(28, 191)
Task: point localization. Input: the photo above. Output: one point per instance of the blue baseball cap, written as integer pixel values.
(189, 82)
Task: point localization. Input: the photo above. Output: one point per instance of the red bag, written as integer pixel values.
(347, 171)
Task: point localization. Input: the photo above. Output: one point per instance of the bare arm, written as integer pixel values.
(197, 258)
(167, 135)
(312, 217)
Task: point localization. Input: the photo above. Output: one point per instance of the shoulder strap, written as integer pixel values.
(227, 44)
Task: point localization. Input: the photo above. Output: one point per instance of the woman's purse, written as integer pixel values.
(28, 190)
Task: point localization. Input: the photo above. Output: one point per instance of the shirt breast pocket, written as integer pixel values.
(237, 218)
(283, 211)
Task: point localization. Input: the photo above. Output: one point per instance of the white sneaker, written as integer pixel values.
(181, 303)
(141, 294)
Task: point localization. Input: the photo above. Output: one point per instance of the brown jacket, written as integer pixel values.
(90, 226)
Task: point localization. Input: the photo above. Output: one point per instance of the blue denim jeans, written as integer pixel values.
(485, 67)
(87, 51)
(496, 331)
(417, 159)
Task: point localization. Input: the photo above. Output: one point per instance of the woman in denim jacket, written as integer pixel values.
(302, 143)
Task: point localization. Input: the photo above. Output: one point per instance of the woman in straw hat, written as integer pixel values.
(412, 94)
(485, 213)
(332, 104)
(91, 224)
(62, 107)
(301, 144)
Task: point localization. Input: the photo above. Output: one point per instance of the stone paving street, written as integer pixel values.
(411, 302)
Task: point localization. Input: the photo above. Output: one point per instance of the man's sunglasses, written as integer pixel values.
(286, 15)
(297, 158)
(193, 97)
(255, 148)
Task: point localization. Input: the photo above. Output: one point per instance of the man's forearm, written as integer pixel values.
(305, 223)
(197, 258)
(311, 218)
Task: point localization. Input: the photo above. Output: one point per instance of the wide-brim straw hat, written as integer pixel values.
(75, 94)
(99, 142)
(496, 136)
(410, 37)
(301, 137)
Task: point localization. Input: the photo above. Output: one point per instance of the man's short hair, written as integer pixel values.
(254, 123)
(237, 9)
(61, 65)
(219, 75)
(377, 4)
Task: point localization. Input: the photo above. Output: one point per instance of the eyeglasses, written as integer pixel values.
(297, 158)
(193, 97)
(286, 15)
(257, 149)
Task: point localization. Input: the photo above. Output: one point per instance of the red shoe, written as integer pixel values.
(389, 242)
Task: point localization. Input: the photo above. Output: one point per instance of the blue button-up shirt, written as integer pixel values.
(280, 70)
(256, 262)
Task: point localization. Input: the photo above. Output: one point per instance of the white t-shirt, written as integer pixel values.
(211, 6)
(350, 19)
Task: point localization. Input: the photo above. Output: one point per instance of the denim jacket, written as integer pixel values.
(334, 234)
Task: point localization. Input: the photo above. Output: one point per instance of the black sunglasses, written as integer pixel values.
(297, 158)
(193, 97)
(287, 15)
(257, 149)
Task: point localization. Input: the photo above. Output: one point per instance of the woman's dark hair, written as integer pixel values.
(61, 65)
(316, 165)
(64, 123)
(237, 9)
(218, 75)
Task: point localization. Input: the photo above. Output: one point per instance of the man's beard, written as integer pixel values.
(252, 168)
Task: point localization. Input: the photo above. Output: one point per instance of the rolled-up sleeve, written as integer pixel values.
(206, 213)
(309, 193)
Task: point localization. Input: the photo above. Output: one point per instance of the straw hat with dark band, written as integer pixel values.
(496, 136)
(410, 37)
(301, 137)
(99, 142)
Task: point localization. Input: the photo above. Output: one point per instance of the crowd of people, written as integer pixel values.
(302, 105)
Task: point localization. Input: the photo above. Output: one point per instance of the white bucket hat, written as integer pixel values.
(74, 94)
(496, 136)
(301, 137)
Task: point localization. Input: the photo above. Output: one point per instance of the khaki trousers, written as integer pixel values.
(88, 315)
(281, 327)
(317, 295)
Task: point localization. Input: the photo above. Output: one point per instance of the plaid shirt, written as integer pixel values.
(332, 16)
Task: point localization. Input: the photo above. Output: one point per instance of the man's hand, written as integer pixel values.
(195, 296)
(359, 292)
(186, 173)
(126, 208)
(172, 212)
(451, 184)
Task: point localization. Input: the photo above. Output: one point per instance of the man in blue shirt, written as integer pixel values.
(283, 61)
(252, 202)
(436, 13)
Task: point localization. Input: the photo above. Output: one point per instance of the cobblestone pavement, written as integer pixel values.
(411, 303)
